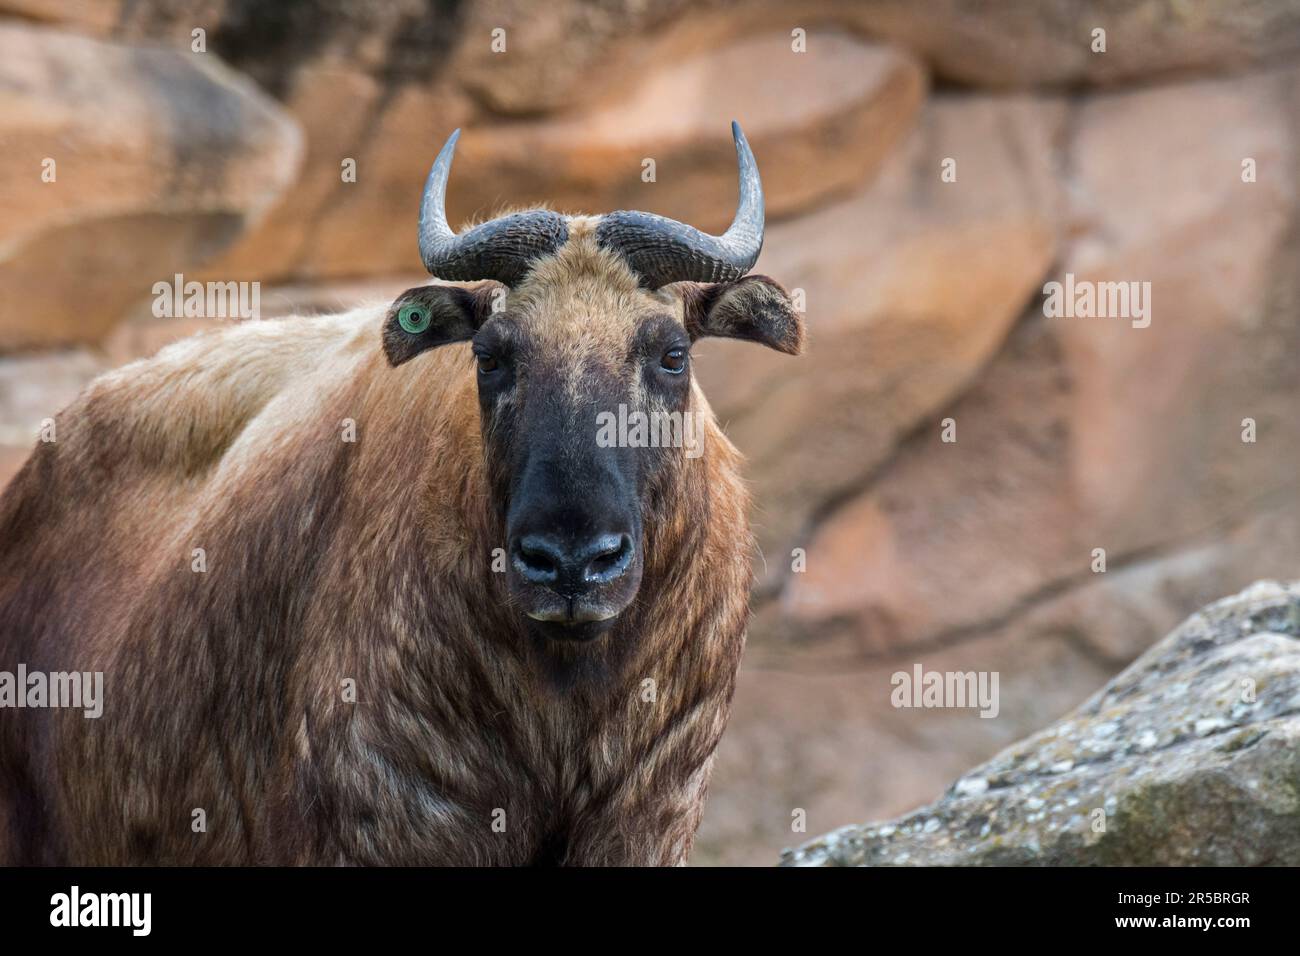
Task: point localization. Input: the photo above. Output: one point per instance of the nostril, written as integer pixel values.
(570, 569)
(610, 556)
(537, 560)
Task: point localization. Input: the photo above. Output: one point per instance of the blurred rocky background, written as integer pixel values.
(224, 155)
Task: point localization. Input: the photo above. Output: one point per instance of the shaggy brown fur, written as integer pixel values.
(369, 561)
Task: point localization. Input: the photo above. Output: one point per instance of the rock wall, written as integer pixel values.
(883, 545)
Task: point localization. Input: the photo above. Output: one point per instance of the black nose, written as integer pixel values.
(572, 567)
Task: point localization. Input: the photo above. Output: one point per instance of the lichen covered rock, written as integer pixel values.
(1190, 756)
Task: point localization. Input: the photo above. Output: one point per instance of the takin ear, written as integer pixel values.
(432, 315)
(755, 308)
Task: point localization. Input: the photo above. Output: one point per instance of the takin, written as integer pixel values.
(379, 588)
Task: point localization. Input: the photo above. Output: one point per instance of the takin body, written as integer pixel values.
(324, 566)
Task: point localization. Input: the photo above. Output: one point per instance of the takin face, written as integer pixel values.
(589, 410)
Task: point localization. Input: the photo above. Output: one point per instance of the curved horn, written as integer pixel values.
(662, 250)
(502, 249)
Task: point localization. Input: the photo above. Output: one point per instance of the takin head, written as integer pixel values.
(583, 342)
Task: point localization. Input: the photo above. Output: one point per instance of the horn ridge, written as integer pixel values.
(503, 249)
(661, 250)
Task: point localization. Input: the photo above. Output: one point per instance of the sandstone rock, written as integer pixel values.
(161, 159)
(1037, 43)
(335, 111)
(360, 78)
(812, 725)
(911, 287)
(272, 42)
(553, 50)
(816, 732)
(1190, 756)
(92, 17)
(819, 125)
(1078, 434)
(366, 228)
(1020, 43)
(1090, 433)
(854, 103)
(374, 87)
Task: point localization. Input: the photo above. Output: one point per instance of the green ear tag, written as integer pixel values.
(414, 318)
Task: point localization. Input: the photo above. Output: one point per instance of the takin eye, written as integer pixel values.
(487, 362)
(414, 318)
(674, 361)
